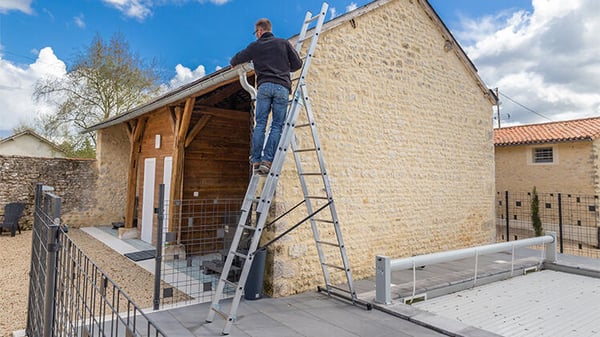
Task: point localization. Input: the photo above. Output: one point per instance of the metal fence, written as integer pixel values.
(68, 294)
(575, 218)
(196, 242)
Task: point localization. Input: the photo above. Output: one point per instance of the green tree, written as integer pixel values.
(536, 221)
(105, 80)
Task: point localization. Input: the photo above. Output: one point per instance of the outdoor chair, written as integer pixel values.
(12, 214)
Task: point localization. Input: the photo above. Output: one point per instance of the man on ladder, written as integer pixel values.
(274, 58)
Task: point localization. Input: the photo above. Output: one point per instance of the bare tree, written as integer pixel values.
(107, 79)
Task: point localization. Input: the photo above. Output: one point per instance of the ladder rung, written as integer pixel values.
(254, 199)
(312, 174)
(316, 197)
(329, 243)
(338, 288)
(308, 36)
(248, 227)
(302, 125)
(332, 266)
(231, 283)
(243, 256)
(312, 18)
(324, 220)
(220, 313)
(307, 150)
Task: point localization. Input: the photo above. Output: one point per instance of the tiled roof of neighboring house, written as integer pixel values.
(555, 132)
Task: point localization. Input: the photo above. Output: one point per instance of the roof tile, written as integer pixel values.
(565, 131)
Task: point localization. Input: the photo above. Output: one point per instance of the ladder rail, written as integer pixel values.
(313, 223)
(328, 191)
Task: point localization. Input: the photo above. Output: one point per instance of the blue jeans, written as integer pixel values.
(273, 98)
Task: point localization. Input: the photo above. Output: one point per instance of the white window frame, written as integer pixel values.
(531, 155)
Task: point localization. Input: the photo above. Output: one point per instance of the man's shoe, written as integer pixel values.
(255, 168)
(265, 167)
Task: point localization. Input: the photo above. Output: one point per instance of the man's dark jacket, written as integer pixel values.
(274, 58)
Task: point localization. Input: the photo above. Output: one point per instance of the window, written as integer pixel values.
(543, 155)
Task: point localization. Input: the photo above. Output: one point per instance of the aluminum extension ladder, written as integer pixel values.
(328, 241)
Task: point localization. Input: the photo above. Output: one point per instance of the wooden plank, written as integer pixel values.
(224, 113)
(134, 158)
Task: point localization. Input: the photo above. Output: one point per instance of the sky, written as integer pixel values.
(542, 55)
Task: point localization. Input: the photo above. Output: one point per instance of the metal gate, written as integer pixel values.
(68, 294)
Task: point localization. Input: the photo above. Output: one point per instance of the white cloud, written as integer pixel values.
(352, 6)
(332, 12)
(17, 5)
(16, 88)
(138, 9)
(141, 9)
(546, 59)
(79, 21)
(185, 75)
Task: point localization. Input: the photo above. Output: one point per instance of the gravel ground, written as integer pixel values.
(15, 254)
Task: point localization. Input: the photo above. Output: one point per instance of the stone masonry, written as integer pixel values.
(574, 170)
(73, 179)
(406, 133)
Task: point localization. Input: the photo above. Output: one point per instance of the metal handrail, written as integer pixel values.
(385, 265)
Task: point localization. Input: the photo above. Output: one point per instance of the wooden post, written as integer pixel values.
(135, 139)
(182, 125)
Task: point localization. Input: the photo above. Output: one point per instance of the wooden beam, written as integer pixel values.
(130, 126)
(174, 115)
(223, 113)
(132, 176)
(196, 129)
(182, 127)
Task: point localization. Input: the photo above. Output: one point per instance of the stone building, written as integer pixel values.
(405, 124)
(553, 157)
(559, 159)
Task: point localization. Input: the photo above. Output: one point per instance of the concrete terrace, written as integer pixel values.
(315, 314)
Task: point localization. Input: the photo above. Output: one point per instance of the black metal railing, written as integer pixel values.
(574, 217)
(68, 294)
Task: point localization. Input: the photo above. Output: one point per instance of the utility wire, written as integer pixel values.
(526, 108)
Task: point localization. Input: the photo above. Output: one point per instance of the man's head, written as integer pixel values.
(261, 26)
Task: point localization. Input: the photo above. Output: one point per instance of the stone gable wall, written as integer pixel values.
(406, 133)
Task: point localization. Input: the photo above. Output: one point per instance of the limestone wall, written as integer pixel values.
(574, 169)
(93, 191)
(112, 153)
(406, 134)
(73, 179)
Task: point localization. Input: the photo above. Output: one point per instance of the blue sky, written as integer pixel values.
(543, 54)
(190, 33)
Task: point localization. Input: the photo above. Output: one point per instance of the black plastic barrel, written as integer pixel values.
(254, 283)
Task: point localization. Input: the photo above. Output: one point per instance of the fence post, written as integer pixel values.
(560, 223)
(51, 259)
(507, 217)
(159, 238)
(383, 276)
